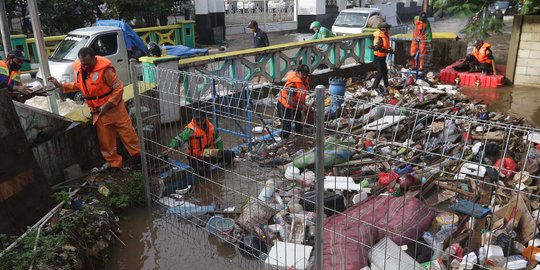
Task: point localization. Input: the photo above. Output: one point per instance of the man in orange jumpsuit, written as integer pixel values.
(291, 102)
(482, 58)
(96, 78)
(421, 39)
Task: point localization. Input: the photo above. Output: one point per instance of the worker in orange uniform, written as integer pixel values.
(381, 48)
(96, 78)
(291, 100)
(421, 39)
(205, 145)
(481, 58)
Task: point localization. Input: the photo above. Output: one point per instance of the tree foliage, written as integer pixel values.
(479, 25)
(530, 6)
(62, 16)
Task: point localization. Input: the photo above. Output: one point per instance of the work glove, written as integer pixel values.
(211, 152)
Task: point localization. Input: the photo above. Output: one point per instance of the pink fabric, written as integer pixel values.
(349, 236)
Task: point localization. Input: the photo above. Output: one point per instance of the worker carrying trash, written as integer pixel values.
(291, 102)
(96, 78)
(205, 146)
(481, 59)
(381, 48)
(421, 39)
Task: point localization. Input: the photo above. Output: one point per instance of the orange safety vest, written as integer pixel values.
(94, 89)
(482, 53)
(199, 139)
(385, 42)
(13, 76)
(419, 31)
(293, 81)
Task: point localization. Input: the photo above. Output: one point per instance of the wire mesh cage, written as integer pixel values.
(436, 183)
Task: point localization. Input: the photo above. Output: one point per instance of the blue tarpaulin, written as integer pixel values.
(183, 51)
(132, 39)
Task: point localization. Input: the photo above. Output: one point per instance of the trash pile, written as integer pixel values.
(417, 176)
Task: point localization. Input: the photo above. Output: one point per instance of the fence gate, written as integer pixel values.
(272, 15)
(455, 191)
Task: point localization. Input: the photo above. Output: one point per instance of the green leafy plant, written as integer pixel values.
(478, 28)
(61, 196)
(136, 189)
(127, 193)
(479, 25)
(530, 6)
(48, 251)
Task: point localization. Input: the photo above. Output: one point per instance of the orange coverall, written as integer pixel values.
(115, 120)
(422, 35)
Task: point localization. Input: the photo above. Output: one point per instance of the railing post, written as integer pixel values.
(140, 132)
(178, 35)
(319, 173)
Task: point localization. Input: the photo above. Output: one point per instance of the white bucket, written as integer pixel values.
(292, 173)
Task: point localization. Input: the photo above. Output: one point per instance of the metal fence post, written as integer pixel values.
(319, 173)
(140, 133)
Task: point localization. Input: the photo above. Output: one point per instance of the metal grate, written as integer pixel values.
(424, 173)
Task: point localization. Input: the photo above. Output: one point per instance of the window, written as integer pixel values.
(68, 48)
(106, 44)
(351, 19)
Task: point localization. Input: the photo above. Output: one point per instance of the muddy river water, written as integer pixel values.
(158, 243)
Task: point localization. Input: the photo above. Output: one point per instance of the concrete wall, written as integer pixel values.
(25, 195)
(523, 65)
(57, 142)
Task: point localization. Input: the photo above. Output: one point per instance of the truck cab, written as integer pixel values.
(107, 41)
(353, 20)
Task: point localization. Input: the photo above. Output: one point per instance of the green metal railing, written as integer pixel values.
(276, 61)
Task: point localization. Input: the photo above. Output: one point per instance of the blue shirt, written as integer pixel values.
(260, 39)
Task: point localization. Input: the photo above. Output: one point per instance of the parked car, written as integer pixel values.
(502, 8)
(354, 20)
(277, 5)
(245, 6)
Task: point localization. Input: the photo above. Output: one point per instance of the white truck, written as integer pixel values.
(354, 20)
(107, 41)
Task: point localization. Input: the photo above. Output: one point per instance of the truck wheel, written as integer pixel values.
(79, 98)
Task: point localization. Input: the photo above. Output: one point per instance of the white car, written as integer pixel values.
(277, 4)
(245, 5)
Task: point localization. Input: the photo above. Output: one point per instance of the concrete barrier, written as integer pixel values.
(58, 142)
(25, 196)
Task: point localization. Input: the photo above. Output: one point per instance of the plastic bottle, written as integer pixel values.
(438, 241)
(278, 219)
(163, 50)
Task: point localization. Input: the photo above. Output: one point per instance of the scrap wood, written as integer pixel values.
(457, 190)
(490, 136)
(356, 162)
(485, 191)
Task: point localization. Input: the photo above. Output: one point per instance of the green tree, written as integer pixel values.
(62, 16)
(479, 25)
(530, 6)
(147, 10)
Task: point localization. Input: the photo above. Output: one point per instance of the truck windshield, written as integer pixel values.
(351, 19)
(68, 48)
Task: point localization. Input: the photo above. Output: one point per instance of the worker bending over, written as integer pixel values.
(205, 146)
(481, 58)
(96, 78)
